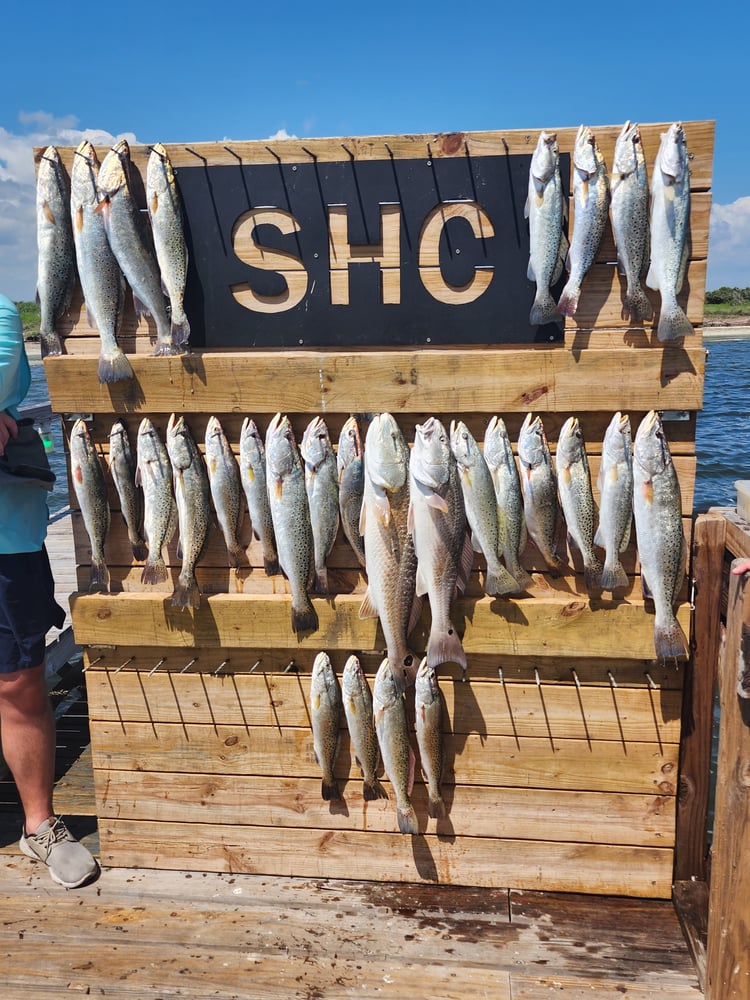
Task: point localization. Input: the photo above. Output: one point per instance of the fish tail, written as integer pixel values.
(500, 582)
(186, 593)
(568, 304)
(373, 790)
(271, 566)
(543, 310)
(522, 578)
(114, 367)
(305, 618)
(592, 574)
(320, 584)
(99, 575)
(329, 789)
(407, 820)
(180, 329)
(163, 350)
(670, 641)
(436, 807)
(155, 570)
(673, 323)
(613, 576)
(236, 556)
(50, 344)
(140, 549)
(636, 306)
(445, 648)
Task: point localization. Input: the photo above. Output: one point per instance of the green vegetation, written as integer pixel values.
(726, 302)
(30, 317)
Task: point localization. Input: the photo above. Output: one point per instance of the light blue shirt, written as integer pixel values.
(23, 509)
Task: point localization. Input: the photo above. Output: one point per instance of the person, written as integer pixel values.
(743, 566)
(27, 611)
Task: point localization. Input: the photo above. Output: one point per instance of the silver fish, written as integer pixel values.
(480, 504)
(577, 498)
(322, 485)
(591, 200)
(357, 701)
(290, 511)
(615, 484)
(629, 210)
(226, 489)
(56, 263)
(395, 750)
(91, 490)
(192, 494)
(154, 475)
(351, 469)
(541, 506)
(662, 549)
(498, 455)
(102, 281)
(389, 549)
(130, 240)
(325, 714)
(253, 478)
(165, 212)
(428, 724)
(122, 468)
(437, 523)
(545, 209)
(670, 223)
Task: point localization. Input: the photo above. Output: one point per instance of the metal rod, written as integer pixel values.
(612, 680)
(254, 666)
(310, 153)
(390, 151)
(129, 660)
(93, 662)
(575, 678)
(347, 151)
(537, 678)
(276, 155)
(500, 675)
(188, 665)
(651, 682)
(220, 666)
(198, 155)
(289, 666)
(156, 666)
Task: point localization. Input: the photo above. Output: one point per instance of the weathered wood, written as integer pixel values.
(691, 905)
(728, 965)
(700, 678)
(737, 531)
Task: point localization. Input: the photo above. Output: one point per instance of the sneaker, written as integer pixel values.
(70, 863)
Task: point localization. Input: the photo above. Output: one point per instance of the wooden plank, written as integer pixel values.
(492, 380)
(548, 626)
(598, 869)
(700, 679)
(502, 813)
(737, 531)
(642, 768)
(691, 905)
(728, 964)
(639, 714)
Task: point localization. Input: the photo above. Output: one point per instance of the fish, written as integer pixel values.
(102, 280)
(357, 700)
(577, 498)
(615, 483)
(670, 223)
(131, 243)
(480, 504)
(541, 506)
(546, 210)
(122, 467)
(253, 479)
(437, 523)
(226, 490)
(56, 262)
(498, 454)
(153, 474)
(428, 724)
(396, 752)
(389, 549)
(351, 470)
(192, 494)
(90, 488)
(629, 212)
(168, 229)
(322, 486)
(662, 550)
(591, 200)
(290, 513)
(325, 715)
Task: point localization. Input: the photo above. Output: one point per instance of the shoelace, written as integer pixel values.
(55, 835)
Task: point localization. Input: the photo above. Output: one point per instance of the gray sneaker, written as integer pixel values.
(69, 862)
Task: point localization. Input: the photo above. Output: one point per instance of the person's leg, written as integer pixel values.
(27, 731)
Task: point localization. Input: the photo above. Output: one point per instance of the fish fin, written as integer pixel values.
(530, 271)
(445, 649)
(407, 820)
(466, 564)
(434, 500)
(186, 593)
(99, 580)
(373, 790)
(475, 544)
(527, 211)
(636, 306)
(320, 584)
(141, 309)
(522, 578)
(329, 790)
(49, 215)
(162, 350)
(436, 807)
(544, 309)
(367, 609)
(140, 550)
(362, 519)
(500, 582)
(236, 556)
(645, 589)
(568, 304)
(613, 576)
(592, 575)
(626, 537)
(304, 619)
(420, 583)
(114, 367)
(410, 519)
(382, 509)
(412, 770)
(670, 641)
(155, 570)
(416, 613)
(50, 344)
(271, 566)
(673, 324)
(180, 331)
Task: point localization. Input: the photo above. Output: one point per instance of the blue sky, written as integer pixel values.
(188, 72)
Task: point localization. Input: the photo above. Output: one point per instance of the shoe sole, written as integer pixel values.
(30, 853)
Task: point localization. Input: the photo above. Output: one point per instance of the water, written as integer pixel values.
(38, 392)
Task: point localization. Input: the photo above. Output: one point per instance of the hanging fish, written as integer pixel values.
(192, 494)
(351, 470)
(548, 245)
(122, 466)
(629, 210)
(56, 262)
(226, 489)
(154, 475)
(322, 486)
(325, 714)
(91, 491)
(253, 478)
(615, 484)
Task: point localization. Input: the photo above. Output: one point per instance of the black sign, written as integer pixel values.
(361, 252)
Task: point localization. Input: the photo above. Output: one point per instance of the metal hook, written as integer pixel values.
(651, 682)
(129, 660)
(189, 664)
(537, 678)
(612, 680)
(390, 151)
(348, 152)
(505, 144)
(84, 669)
(232, 153)
(158, 153)
(220, 666)
(575, 678)
(310, 153)
(276, 155)
(254, 666)
(289, 666)
(500, 675)
(156, 666)
(198, 155)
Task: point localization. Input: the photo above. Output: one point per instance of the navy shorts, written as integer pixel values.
(28, 609)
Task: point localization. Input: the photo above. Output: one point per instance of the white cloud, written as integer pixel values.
(729, 245)
(18, 191)
(281, 134)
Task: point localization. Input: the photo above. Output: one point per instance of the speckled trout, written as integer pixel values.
(122, 469)
(322, 485)
(325, 715)
(498, 453)
(165, 212)
(154, 475)
(253, 478)
(56, 274)
(615, 484)
(90, 488)
(357, 700)
(540, 504)
(545, 209)
(393, 739)
(577, 498)
(629, 211)
(226, 490)
(428, 724)
(192, 494)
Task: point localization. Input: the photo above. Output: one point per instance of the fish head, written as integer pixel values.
(570, 444)
(322, 673)
(118, 432)
(80, 441)
(385, 693)
(617, 445)
(180, 444)
(586, 156)
(316, 443)
(213, 429)
(532, 442)
(496, 442)
(545, 158)
(252, 442)
(52, 184)
(83, 175)
(113, 175)
(386, 454)
(672, 158)
(282, 454)
(350, 445)
(463, 445)
(426, 685)
(628, 151)
(431, 456)
(353, 676)
(651, 450)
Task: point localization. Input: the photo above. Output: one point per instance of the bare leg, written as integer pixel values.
(27, 729)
